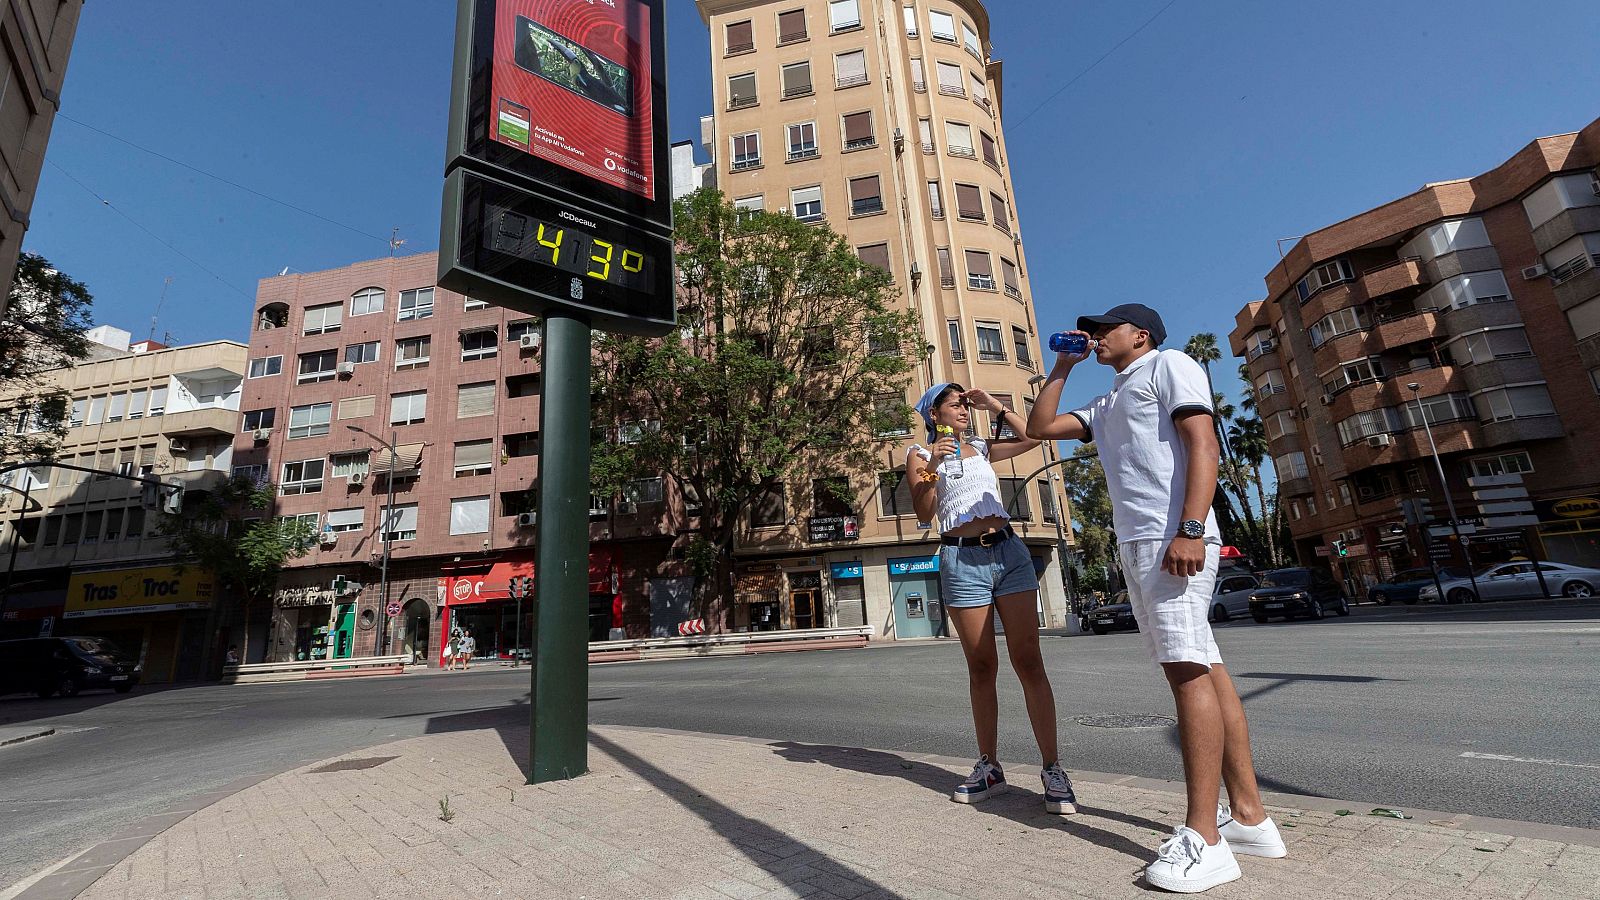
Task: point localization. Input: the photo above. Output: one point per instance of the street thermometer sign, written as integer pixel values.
(557, 186)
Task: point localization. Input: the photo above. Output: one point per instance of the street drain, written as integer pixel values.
(1125, 721)
(353, 765)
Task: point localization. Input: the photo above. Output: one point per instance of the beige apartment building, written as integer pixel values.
(82, 552)
(35, 41)
(1484, 294)
(882, 119)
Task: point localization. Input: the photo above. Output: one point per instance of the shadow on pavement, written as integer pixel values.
(940, 781)
(17, 709)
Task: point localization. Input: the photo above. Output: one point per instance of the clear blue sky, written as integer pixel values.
(1165, 175)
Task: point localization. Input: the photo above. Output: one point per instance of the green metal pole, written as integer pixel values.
(560, 690)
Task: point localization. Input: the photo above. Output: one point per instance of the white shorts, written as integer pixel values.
(1171, 611)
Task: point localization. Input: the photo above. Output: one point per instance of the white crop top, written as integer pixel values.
(967, 488)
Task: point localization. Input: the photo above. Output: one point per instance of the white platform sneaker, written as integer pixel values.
(1251, 840)
(1186, 864)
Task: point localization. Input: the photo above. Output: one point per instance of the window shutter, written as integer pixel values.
(919, 78)
(338, 517)
(740, 37)
(404, 518)
(852, 67)
(979, 89)
(844, 14)
(1002, 212)
(409, 460)
(475, 400)
(742, 88)
(960, 138)
(147, 456)
(978, 263)
(858, 127)
(969, 202)
(1008, 269)
(991, 150)
(357, 407)
(792, 25)
(949, 77)
(797, 79)
(469, 515)
(935, 200)
(865, 189)
(946, 272)
(875, 255)
(474, 454)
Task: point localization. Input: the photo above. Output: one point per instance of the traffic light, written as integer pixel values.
(1339, 549)
(172, 499)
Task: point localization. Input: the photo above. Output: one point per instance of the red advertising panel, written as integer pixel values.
(572, 85)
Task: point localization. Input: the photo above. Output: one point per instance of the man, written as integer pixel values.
(1158, 447)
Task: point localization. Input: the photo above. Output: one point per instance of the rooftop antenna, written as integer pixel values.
(395, 240)
(164, 285)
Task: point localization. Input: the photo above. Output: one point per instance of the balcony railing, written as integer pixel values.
(742, 102)
(1013, 293)
(981, 282)
(963, 152)
(798, 90)
(851, 80)
(742, 47)
(747, 162)
(947, 281)
(867, 206)
(1403, 315)
(1259, 350)
(861, 143)
(803, 153)
(952, 90)
(1573, 268)
(920, 87)
(992, 355)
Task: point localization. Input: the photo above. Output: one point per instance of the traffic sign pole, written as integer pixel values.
(560, 689)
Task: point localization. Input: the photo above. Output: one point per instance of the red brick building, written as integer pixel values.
(1483, 293)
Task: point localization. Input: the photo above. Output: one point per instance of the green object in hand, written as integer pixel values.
(944, 430)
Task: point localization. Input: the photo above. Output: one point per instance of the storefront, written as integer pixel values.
(32, 613)
(914, 593)
(157, 614)
(849, 595)
(309, 622)
(1569, 529)
(479, 603)
(757, 602)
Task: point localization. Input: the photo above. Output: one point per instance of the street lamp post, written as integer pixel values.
(388, 520)
(1449, 502)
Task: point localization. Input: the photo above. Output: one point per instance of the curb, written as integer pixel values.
(32, 735)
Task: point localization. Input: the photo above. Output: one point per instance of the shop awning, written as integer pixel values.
(408, 463)
(495, 584)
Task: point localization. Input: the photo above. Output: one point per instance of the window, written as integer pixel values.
(1019, 342)
(1291, 466)
(473, 458)
(97, 410)
(858, 131)
(1279, 424)
(1002, 212)
(866, 196)
(850, 69)
(1370, 423)
(113, 525)
(876, 255)
(483, 343)
(768, 509)
(1340, 322)
(472, 304)
(742, 91)
(1446, 237)
(1014, 497)
(80, 408)
(980, 273)
(1461, 291)
(643, 490)
(969, 40)
(919, 76)
(802, 145)
(959, 137)
(476, 399)
(518, 386)
(469, 515)
(365, 352)
(343, 465)
(93, 522)
(1270, 382)
(1323, 276)
(521, 445)
(324, 319)
(1441, 408)
(889, 411)
(829, 497)
(118, 409)
(1560, 193)
(309, 421)
(746, 150)
(935, 200)
(991, 346)
(519, 327)
(791, 26)
(1359, 371)
(415, 304)
(911, 21)
(957, 352)
(741, 38)
(366, 300)
(408, 408)
(412, 353)
(1514, 402)
(843, 15)
(1490, 344)
(304, 477)
(1519, 463)
(942, 26)
(748, 205)
(969, 202)
(1010, 278)
(341, 520)
(1573, 257)
(952, 79)
(1008, 402)
(261, 368)
(358, 407)
(1047, 502)
(256, 419)
(316, 367)
(401, 524)
(515, 503)
(979, 89)
(806, 203)
(796, 79)
(1344, 494)
(158, 401)
(947, 272)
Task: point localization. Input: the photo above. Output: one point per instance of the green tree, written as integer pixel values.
(46, 317)
(791, 356)
(1084, 481)
(1249, 439)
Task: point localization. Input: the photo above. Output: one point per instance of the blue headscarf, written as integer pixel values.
(925, 405)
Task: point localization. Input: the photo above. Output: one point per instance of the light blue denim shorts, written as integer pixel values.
(974, 576)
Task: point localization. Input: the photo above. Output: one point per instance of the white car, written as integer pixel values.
(1513, 580)
(1232, 596)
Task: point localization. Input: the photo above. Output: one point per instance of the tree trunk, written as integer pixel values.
(1267, 518)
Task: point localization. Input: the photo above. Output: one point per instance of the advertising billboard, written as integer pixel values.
(143, 590)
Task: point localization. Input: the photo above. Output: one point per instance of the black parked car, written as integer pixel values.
(65, 666)
(1114, 616)
(1297, 592)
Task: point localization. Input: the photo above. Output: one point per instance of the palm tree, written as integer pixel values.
(1249, 439)
(1203, 349)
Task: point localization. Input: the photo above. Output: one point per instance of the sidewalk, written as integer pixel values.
(673, 815)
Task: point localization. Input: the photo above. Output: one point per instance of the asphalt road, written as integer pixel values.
(1487, 710)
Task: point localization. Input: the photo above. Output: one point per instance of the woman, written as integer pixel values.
(984, 566)
(452, 650)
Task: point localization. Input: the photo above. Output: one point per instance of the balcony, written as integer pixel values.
(210, 420)
(1401, 275)
(1296, 487)
(1579, 287)
(1516, 431)
(196, 480)
(850, 81)
(1271, 403)
(1409, 327)
(1451, 435)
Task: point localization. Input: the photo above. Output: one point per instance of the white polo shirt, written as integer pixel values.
(1145, 461)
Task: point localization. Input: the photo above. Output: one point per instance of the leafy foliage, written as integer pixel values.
(47, 315)
(230, 533)
(1090, 501)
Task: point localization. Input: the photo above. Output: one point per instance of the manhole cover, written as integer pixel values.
(1125, 721)
(353, 765)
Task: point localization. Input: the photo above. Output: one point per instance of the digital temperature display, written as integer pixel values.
(568, 247)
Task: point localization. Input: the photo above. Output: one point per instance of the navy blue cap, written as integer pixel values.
(1136, 314)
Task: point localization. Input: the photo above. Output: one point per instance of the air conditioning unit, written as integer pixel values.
(527, 519)
(1366, 493)
(356, 479)
(263, 434)
(783, 210)
(1327, 399)
(327, 538)
(1379, 440)
(899, 140)
(916, 270)
(627, 509)
(347, 368)
(529, 341)
(1534, 271)
(178, 447)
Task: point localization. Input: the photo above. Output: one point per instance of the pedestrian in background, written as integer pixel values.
(983, 568)
(469, 646)
(452, 650)
(1158, 446)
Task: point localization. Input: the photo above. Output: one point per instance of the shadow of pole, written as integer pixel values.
(762, 844)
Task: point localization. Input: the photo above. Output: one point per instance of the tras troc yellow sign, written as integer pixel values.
(126, 591)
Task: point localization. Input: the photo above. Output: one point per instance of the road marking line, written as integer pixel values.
(1498, 757)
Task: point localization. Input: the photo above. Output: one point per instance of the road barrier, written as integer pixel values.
(315, 669)
(731, 644)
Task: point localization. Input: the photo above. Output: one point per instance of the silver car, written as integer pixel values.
(1516, 580)
(1232, 596)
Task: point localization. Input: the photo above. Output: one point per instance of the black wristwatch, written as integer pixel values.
(1192, 528)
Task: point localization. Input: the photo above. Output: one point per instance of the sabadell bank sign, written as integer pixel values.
(128, 591)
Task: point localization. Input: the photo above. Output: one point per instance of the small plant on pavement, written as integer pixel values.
(445, 812)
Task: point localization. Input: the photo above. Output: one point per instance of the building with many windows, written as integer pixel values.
(87, 556)
(883, 120)
(1473, 306)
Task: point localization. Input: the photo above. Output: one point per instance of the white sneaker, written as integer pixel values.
(1251, 840)
(1185, 864)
